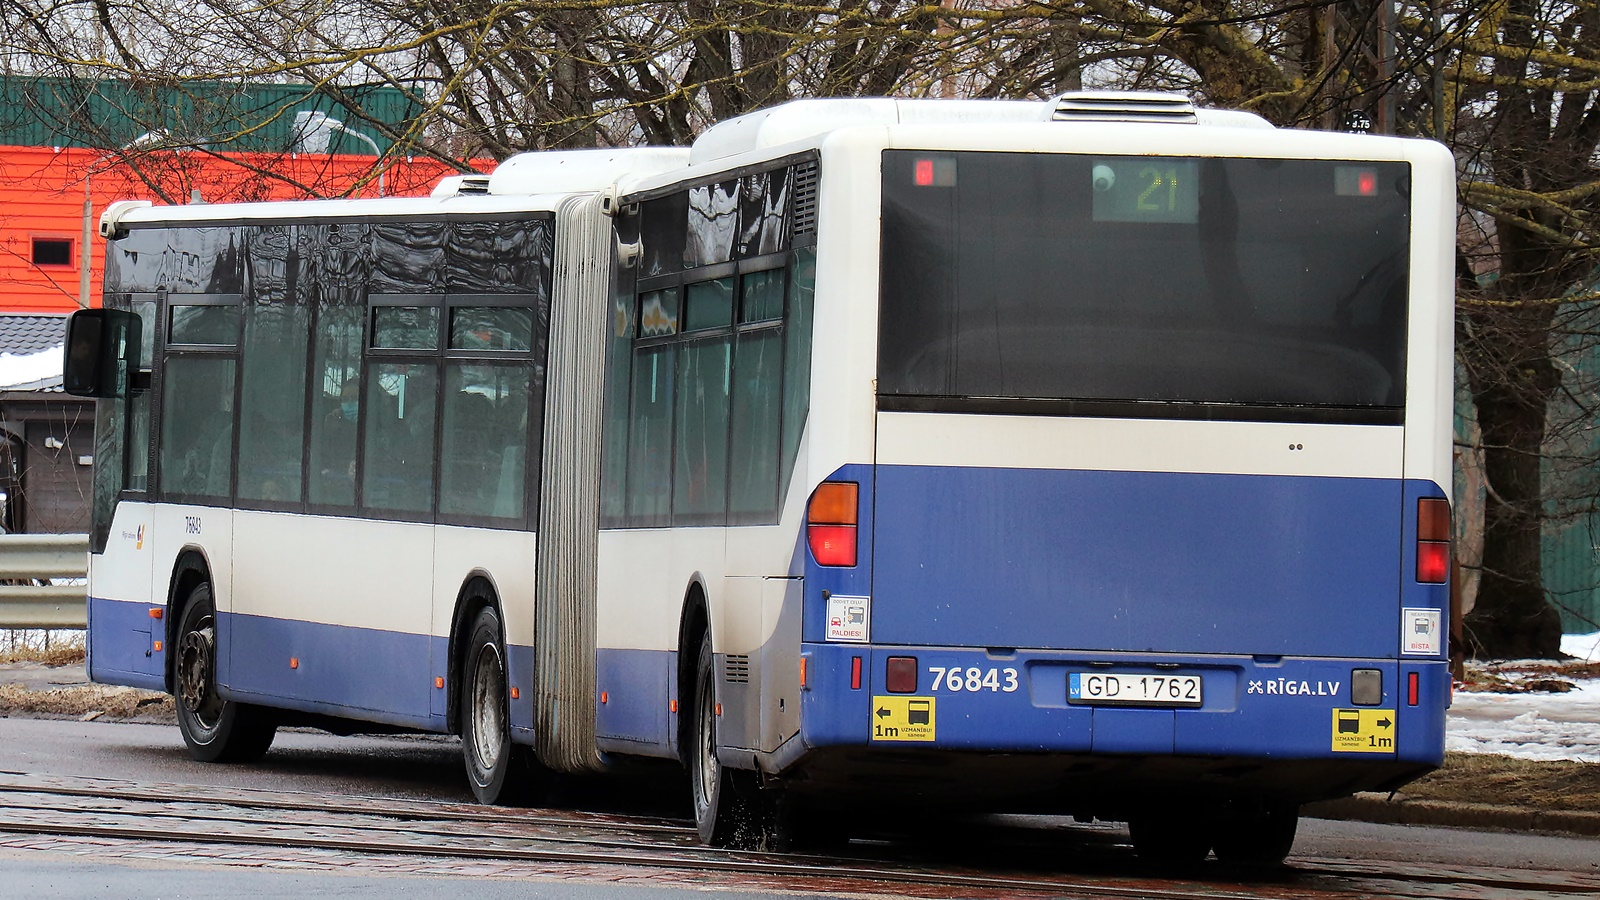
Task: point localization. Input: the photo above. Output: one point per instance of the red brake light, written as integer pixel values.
(1433, 540)
(832, 545)
(1433, 562)
(831, 518)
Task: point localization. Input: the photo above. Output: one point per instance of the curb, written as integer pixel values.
(1382, 809)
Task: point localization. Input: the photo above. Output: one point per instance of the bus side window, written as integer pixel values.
(339, 272)
(397, 470)
(757, 400)
(197, 449)
(650, 436)
(619, 364)
(335, 405)
(197, 426)
(482, 463)
(797, 356)
(272, 370)
(700, 469)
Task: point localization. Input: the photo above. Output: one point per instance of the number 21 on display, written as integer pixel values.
(973, 679)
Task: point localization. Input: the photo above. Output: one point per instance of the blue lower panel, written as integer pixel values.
(1250, 708)
(633, 711)
(362, 673)
(520, 661)
(1131, 561)
(122, 647)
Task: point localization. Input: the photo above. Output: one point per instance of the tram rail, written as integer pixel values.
(80, 807)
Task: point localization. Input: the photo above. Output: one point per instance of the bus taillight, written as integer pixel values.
(831, 523)
(1433, 540)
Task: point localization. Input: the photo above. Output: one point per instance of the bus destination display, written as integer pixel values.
(1146, 189)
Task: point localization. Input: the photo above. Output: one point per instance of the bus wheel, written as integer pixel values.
(726, 801)
(1260, 840)
(1174, 839)
(216, 730)
(499, 771)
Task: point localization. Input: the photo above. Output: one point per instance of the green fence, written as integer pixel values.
(239, 117)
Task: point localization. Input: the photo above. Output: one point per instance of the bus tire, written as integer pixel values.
(727, 803)
(1171, 839)
(215, 730)
(1261, 840)
(500, 772)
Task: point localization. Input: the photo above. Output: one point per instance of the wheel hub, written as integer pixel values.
(195, 654)
(488, 708)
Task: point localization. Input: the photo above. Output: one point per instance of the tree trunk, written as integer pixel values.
(1512, 618)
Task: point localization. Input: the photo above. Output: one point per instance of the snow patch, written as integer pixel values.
(30, 368)
(1584, 646)
(1534, 725)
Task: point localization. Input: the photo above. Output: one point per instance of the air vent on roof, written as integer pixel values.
(456, 185)
(805, 199)
(1122, 106)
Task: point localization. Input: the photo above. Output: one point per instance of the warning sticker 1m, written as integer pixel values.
(1363, 731)
(902, 718)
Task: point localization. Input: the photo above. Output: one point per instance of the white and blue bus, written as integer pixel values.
(1086, 457)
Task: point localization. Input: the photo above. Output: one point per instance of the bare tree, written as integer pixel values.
(1511, 85)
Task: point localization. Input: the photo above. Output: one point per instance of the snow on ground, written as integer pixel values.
(28, 368)
(1534, 725)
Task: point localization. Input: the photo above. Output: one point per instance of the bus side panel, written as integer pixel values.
(1137, 561)
(505, 558)
(331, 615)
(122, 634)
(632, 713)
(361, 672)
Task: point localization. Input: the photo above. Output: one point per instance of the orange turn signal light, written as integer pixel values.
(833, 503)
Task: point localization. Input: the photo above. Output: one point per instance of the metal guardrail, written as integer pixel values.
(28, 562)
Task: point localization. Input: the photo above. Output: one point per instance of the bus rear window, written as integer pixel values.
(1170, 286)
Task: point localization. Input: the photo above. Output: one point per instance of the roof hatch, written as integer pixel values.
(1122, 106)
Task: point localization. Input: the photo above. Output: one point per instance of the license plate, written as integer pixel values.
(1123, 689)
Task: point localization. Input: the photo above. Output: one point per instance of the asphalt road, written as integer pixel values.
(429, 768)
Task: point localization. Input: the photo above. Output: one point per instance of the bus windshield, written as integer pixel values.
(1144, 285)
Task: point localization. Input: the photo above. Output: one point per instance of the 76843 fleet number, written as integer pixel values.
(973, 679)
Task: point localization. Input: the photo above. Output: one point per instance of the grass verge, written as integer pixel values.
(69, 655)
(1507, 781)
(80, 701)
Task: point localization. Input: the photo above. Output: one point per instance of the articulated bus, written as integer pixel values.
(1082, 457)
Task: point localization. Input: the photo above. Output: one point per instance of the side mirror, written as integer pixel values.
(102, 352)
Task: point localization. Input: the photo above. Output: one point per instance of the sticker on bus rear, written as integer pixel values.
(849, 618)
(1421, 631)
(1363, 731)
(902, 718)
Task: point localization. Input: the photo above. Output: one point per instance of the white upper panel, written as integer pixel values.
(580, 171)
(528, 182)
(798, 120)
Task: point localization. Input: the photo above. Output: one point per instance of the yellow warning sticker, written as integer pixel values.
(902, 718)
(1363, 731)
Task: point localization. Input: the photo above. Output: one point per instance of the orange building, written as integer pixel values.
(43, 192)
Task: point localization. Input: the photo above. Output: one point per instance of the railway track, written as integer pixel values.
(132, 819)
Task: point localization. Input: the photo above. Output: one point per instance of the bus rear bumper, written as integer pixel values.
(1289, 727)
